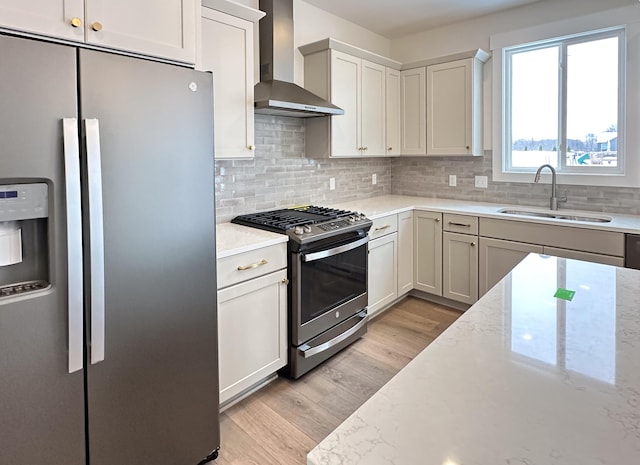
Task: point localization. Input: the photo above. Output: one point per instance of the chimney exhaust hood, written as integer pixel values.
(276, 94)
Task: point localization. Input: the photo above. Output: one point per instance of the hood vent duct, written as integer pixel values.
(276, 94)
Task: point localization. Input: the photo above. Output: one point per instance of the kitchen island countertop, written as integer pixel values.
(522, 378)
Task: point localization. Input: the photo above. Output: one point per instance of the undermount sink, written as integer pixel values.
(571, 216)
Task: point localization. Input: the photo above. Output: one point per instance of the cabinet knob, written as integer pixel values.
(96, 26)
(252, 147)
(390, 149)
(468, 147)
(75, 22)
(365, 148)
(285, 281)
(473, 244)
(437, 220)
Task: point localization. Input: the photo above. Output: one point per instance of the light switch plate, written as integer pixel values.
(374, 179)
(482, 182)
(332, 184)
(452, 180)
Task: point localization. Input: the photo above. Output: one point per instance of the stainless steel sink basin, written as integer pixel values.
(571, 216)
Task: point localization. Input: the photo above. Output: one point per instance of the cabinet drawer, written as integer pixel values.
(383, 226)
(251, 264)
(460, 223)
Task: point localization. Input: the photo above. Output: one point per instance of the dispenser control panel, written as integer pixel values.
(23, 201)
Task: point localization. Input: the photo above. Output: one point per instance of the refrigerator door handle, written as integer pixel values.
(96, 239)
(74, 242)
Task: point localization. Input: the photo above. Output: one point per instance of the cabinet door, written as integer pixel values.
(373, 113)
(498, 258)
(405, 252)
(393, 112)
(427, 246)
(163, 28)
(46, 17)
(227, 51)
(414, 112)
(449, 108)
(345, 93)
(382, 273)
(460, 267)
(252, 328)
(584, 256)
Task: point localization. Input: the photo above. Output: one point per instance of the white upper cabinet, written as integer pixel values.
(226, 42)
(454, 108)
(414, 111)
(159, 28)
(356, 81)
(393, 112)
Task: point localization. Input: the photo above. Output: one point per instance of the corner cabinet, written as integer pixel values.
(159, 28)
(442, 105)
(356, 81)
(226, 49)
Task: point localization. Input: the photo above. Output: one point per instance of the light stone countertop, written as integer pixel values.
(375, 207)
(233, 239)
(521, 378)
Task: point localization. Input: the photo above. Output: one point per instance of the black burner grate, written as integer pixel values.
(282, 220)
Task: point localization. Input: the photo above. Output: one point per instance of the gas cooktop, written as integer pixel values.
(306, 223)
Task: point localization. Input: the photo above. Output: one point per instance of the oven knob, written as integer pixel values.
(298, 231)
(352, 219)
(306, 228)
(363, 216)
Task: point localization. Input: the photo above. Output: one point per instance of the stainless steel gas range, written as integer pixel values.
(327, 293)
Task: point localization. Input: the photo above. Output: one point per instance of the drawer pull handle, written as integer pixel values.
(253, 265)
(459, 224)
(386, 226)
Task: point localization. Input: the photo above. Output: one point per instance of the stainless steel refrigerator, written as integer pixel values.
(108, 333)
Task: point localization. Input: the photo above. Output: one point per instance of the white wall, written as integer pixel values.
(312, 24)
(475, 33)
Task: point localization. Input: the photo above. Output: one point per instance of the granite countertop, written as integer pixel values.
(522, 378)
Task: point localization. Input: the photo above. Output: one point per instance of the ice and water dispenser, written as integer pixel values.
(24, 243)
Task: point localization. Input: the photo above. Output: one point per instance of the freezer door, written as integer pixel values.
(152, 390)
(41, 404)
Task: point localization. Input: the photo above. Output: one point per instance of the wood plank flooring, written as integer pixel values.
(281, 423)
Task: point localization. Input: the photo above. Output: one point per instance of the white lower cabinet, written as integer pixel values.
(405, 252)
(498, 257)
(252, 318)
(460, 267)
(427, 247)
(252, 332)
(383, 272)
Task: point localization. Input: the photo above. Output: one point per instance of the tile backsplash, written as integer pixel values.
(281, 175)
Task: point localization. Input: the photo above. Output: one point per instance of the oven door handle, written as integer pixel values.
(308, 351)
(335, 251)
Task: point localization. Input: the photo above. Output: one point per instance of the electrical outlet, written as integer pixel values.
(374, 179)
(452, 180)
(332, 184)
(482, 182)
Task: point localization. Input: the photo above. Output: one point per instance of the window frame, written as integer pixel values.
(562, 43)
(627, 17)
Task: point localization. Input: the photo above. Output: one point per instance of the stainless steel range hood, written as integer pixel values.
(276, 94)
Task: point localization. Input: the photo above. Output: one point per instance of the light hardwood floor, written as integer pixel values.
(281, 423)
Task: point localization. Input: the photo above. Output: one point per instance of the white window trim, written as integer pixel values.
(626, 16)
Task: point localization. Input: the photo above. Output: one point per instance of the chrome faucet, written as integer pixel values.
(553, 202)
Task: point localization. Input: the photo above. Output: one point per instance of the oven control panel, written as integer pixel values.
(313, 232)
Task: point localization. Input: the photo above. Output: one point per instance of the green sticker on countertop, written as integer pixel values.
(564, 294)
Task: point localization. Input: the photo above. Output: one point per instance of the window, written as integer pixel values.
(563, 104)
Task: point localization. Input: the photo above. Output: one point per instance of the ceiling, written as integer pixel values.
(398, 18)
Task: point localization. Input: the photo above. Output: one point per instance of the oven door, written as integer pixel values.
(329, 286)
